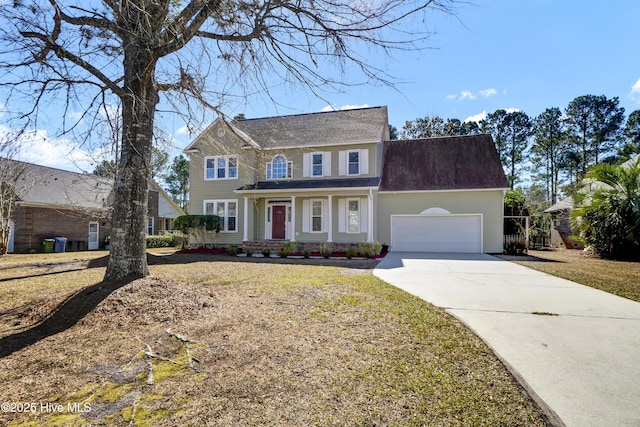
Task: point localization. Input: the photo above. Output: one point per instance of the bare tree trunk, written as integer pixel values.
(128, 259)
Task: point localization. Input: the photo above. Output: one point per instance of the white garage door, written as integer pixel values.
(436, 233)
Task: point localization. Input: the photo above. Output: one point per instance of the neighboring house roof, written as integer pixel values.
(311, 184)
(50, 187)
(168, 209)
(562, 205)
(443, 163)
(357, 126)
(55, 188)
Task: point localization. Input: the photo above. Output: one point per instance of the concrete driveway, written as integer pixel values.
(575, 348)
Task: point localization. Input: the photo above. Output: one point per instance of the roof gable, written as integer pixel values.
(357, 126)
(443, 163)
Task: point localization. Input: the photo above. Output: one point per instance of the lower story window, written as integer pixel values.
(353, 216)
(227, 210)
(150, 226)
(316, 216)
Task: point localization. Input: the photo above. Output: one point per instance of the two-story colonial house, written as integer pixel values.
(335, 177)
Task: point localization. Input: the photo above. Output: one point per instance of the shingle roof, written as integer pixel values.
(443, 163)
(562, 205)
(312, 184)
(42, 185)
(362, 125)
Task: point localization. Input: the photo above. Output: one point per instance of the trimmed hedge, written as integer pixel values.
(185, 223)
(165, 241)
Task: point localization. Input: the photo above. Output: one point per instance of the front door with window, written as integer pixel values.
(93, 236)
(279, 222)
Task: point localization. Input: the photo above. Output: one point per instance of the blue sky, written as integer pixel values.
(526, 55)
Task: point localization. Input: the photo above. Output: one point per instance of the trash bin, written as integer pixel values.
(60, 244)
(47, 245)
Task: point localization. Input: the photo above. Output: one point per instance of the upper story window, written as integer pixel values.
(353, 162)
(279, 168)
(353, 165)
(316, 164)
(220, 167)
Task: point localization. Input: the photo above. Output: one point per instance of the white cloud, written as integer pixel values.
(37, 147)
(344, 107)
(467, 94)
(635, 92)
(477, 117)
(481, 116)
(486, 93)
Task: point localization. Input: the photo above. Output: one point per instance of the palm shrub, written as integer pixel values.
(607, 213)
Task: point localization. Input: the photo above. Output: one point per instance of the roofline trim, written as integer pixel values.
(337, 144)
(457, 190)
(65, 207)
(307, 190)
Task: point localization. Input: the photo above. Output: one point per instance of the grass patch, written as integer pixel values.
(267, 343)
(617, 277)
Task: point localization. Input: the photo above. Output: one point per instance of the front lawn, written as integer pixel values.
(225, 341)
(617, 277)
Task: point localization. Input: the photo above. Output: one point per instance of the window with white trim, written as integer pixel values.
(316, 216)
(316, 164)
(279, 168)
(220, 167)
(353, 215)
(150, 226)
(227, 210)
(353, 162)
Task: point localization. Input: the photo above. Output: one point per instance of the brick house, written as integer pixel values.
(56, 203)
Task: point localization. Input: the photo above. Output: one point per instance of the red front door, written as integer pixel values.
(279, 222)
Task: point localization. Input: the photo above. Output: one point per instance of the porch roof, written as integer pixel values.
(311, 184)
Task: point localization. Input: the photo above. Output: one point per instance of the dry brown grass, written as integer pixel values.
(617, 277)
(274, 343)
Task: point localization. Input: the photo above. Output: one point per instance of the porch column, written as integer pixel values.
(330, 218)
(293, 219)
(245, 222)
(371, 217)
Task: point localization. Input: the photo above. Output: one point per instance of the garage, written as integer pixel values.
(437, 233)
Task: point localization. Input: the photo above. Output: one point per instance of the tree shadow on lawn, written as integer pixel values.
(64, 316)
(531, 258)
(59, 268)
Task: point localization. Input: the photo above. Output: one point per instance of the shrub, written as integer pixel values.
(351, 253)
(266, 252)
(232, 250)
(185, 223)
(607, 213)
(249, 252)
(288, 248)
(325, 249)
(370, 249)
(165, 241)
(306, 253)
